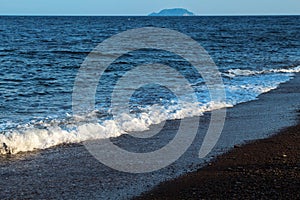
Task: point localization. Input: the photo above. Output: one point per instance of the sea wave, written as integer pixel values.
(245, 72)
(240, 86)
(43, 134)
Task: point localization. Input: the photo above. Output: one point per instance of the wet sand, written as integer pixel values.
(71, 172)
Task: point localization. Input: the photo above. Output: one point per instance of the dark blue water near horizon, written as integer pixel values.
(40, 56)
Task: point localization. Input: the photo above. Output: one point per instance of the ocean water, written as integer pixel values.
(40, 58)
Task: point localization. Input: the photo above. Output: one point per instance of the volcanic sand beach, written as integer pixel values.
(264, 168)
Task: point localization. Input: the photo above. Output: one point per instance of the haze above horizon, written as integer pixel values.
(145, 7)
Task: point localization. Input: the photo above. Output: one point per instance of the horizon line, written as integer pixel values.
(133, 15)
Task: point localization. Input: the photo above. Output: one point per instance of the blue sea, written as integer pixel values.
(40, 58)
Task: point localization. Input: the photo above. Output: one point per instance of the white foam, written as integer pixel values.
(290, 70)
(29, 138)
(243, 72)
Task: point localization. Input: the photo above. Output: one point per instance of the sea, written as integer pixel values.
(41, 56)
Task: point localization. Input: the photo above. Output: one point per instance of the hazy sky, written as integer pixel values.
(144, 7)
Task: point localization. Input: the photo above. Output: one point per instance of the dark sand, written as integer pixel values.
(71, 172)
(264, 169)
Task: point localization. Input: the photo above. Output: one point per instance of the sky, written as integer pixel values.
(145, 7)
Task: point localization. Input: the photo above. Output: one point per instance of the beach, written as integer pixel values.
(263, 169)
(69, 171)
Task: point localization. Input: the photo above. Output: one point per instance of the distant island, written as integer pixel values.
(173, 12)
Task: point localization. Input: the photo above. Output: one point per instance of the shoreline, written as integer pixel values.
(266, 168)
(71, 172)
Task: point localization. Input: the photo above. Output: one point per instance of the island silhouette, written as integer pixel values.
(173, 12)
